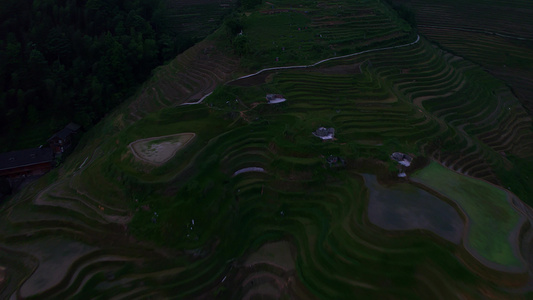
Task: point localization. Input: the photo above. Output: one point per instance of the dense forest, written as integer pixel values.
(74, 60)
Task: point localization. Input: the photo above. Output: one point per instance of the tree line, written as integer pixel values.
(74, 60)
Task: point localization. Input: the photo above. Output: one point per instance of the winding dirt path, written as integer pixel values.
(311, 65)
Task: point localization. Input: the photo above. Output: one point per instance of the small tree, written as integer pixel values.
(241, 45)
(234, 24)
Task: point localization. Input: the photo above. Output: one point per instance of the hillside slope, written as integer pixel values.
(256, 206)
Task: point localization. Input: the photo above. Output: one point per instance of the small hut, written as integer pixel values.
(275, 98)
(325, 133)
(62, 140)
(335, 161)
(401, 158)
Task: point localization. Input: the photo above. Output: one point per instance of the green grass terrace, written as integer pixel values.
(493, 222)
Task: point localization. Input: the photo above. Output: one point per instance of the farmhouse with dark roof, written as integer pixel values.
(37, 161)
(401, 158)
(325, 133)
(275, 98)
(27, 162)
(62, 140)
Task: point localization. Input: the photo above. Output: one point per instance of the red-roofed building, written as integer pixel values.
(27, 162)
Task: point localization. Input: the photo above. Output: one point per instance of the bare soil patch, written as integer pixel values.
(252, 80)
(276, 253)
(339, 69)
(56, 255)
(158, 150)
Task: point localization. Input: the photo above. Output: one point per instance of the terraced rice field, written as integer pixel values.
(197, 19)
(188, 78)
(512, 65)
(290, 225)
(491, 218)
(495, 35)
(287, 32)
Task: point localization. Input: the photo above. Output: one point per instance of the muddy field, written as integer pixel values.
(158, 150)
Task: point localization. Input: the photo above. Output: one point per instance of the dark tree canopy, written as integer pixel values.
(74, 60)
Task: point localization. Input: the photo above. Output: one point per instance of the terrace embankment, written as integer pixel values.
(494, 34)
(269, 272)
(187, 78)
(158, 150)
(197, 18)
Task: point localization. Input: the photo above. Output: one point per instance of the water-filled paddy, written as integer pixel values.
(403, 206)
(56, 255)
(493, 220)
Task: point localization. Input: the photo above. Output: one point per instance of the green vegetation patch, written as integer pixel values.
(492, 219)
(282, 38)
(304, 32)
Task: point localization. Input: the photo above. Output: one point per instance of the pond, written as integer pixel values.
(403, 206)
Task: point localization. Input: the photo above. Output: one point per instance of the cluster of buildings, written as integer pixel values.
(37, 161)
(403, 160)
(322, 132)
